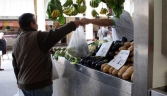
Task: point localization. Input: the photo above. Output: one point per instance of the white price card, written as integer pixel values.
(120, 59)
(104, 49)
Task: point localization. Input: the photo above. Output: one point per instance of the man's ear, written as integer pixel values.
(31, 24)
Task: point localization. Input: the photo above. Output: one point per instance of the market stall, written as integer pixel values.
(143, 58)
(89, 61)
(93, 75)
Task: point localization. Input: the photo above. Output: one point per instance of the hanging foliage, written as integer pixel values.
(55, 12)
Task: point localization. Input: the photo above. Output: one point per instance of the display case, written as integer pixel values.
(11, 30)
(78, 80)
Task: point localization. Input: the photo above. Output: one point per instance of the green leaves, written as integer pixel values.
(118, 11)
(116, 6)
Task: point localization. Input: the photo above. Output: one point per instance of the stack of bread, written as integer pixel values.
(126, 71)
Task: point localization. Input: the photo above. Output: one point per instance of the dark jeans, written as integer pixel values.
(45, 91)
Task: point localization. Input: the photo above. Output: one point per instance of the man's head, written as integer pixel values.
(28, 20)
(109, 9)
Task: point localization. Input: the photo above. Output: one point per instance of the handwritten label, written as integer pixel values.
(120, 59)
(4, 17)
(9, 17)
(104, 49)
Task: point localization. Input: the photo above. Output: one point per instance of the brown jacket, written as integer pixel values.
(31, 57)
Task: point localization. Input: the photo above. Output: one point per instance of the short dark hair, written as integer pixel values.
(25, 20)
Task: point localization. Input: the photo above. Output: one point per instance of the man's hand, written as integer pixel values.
(85, 21)
(81, 22)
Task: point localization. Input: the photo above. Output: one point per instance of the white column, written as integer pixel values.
(89, 27)
(127, 5)
(41, 15)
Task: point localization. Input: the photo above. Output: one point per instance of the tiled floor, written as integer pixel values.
(8, 86)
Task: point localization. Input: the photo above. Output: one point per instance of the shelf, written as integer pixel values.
(10, 36)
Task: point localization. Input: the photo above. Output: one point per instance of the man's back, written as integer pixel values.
(34, 65)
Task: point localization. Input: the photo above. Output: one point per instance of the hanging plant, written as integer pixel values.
(115, 5)
(55, 12)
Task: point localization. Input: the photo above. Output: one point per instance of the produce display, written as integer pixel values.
(101, 63)
(62, 52)
(125, 72)
(56, 10)
(58, 51)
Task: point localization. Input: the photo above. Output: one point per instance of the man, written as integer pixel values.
(31, 58)
(122, 27)
(102, 32)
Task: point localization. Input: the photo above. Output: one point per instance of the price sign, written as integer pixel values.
(104, 49)
(120, 59)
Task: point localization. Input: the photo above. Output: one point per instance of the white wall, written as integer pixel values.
(160, 62)
(41, 15)
(16, 7)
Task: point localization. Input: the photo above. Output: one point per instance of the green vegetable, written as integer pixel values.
(67, 56)
(102, 41)
(92, 47)
(55, 56)
(75, 60)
